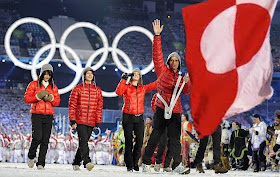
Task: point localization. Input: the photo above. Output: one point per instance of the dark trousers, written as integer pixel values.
(242, 163)
(82, 154)
(133, 125)
(173, 133)
(41, 131)
(259, 157)
(276, 147)
(161, 147)
(216, 137)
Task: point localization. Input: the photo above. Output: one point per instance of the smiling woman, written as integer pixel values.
(43, 95)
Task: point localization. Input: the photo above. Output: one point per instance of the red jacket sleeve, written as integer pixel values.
(73, 102)
(121, 88)
(151, 86)
(99, 107)
(56, 100)
(29, 96)
(158, 56)
(153, 102)
(187, 88)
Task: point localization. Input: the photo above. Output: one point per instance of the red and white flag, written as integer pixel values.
(228, 56)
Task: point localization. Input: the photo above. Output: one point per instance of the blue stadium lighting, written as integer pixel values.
(116, 69)
(104, 67)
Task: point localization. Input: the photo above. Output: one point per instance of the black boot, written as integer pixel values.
(136, 168)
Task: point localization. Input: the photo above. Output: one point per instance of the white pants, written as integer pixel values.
(17, 158)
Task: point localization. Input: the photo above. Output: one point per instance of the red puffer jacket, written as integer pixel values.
(166, 78)
(134, 96)
(42, 106)
(153, 102)
(86, 104)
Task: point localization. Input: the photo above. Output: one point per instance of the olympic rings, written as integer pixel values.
(62, 47)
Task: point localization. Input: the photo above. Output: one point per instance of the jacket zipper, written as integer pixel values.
(137, 99)
(88, 101)
(45, 105)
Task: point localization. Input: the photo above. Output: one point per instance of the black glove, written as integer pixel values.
(124, 76)
(96, 125)
(72, 122)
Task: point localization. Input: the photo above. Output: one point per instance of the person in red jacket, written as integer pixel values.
(132, 120)
(168, 75)
(43, 95)
(85, 114)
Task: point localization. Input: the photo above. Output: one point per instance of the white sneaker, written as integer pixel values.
(157, 167)
(146, 168)
(181, 169)
(89, 166)
(40, 167)
(30, 163)
(76, 168)
(167, 169)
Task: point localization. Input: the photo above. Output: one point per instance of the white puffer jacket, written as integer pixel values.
(261, 137)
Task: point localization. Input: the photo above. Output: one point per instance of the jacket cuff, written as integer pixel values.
(123, 81)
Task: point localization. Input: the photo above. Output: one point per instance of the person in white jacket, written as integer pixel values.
(258, 132)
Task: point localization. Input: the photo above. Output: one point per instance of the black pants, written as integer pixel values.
(133, 125)
(82, 154)
(216, 137)
(173, 133)
(276, 147)
(41, 131)
(161, 147)
(259, 157)
(242, 163)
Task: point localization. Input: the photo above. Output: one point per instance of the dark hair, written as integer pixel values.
(150, 117)
(50, 73)
(277, 114)
(179, 66)
(256, 116)
(186, 115)
(92, 73)
(237, 123)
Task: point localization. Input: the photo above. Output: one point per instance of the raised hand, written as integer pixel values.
(186, 78)
(157, 28)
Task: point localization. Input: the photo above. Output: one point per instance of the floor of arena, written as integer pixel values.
(22, 170)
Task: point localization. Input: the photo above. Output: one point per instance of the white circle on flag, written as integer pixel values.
(217, 43)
